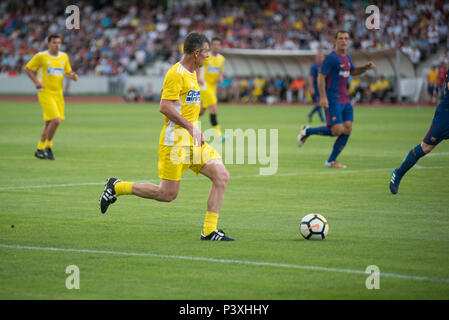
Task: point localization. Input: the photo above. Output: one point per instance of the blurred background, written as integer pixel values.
(125, 47)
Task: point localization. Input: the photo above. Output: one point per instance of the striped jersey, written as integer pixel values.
(337, 70)
(182, 86)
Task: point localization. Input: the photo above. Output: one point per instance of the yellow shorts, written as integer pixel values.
(174, 161)
(208, 96)
(52, 105)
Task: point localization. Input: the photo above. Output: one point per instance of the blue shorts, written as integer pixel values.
(339, 113)
(316, 99)
(439, 130)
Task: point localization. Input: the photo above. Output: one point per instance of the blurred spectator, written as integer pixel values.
(432, 83)
(353, 90)
(258, 89)
(149, 95)
(296, 87)
(142, 36)
(280, 88)
(362, 91)
(132, 94)
(379, 89)
(236, 89)
(245, 89)
(441, 80)
(224, 89)
(269, 94)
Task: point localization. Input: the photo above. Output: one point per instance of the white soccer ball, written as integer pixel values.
(314, 227)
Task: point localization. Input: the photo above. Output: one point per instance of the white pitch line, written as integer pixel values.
(436, 154)
(290, 174)
(244, 262)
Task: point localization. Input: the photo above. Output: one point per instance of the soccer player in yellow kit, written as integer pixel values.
(213, 73)
(47, 70)
(181, 143)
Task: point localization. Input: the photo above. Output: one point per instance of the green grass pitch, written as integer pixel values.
(143, 249)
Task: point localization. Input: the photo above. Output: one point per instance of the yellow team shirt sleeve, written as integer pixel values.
(222, 66)
(35, 63)
(172, 86)
(67, 66)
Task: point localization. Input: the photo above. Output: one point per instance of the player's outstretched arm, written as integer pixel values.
(359, 70)
(167, 108)
(32, 75)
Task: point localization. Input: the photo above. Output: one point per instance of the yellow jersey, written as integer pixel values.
(51, 70)
(213, 66)
(432, 76)
(180, 85)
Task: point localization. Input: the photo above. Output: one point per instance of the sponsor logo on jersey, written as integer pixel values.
(52, 71)
(344, 74)
(193, 97)
(433, 139)
(211, 69)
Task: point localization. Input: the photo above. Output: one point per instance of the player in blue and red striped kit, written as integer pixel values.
(313, 86)
(439, 131)
(332, 83)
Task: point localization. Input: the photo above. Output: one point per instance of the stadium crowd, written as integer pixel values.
(259, 89)
(144, 37)
(288, 89)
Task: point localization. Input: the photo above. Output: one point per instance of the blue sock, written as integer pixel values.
(411, 159)
(323, 131)
(338, 147)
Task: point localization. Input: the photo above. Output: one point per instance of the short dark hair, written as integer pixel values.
(53, 36)
(341, 31)
(194, 41)
(216, 39)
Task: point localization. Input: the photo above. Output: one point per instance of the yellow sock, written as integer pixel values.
(48, 143)
(123, 187)
(218, 129)
(210, 223)
(41, 145)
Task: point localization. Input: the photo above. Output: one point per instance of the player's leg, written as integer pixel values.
(439, 131)
(333, 117)
(166, 191)
(40, 151)
(213, 110)
(215, 170)
(170, 173)
(51, 110)
(343, 131)
(410, 160)
(320, 112)
(50, 133)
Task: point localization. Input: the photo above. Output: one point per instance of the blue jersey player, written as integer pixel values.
(332, 84)
(313, 86)
(439, 131)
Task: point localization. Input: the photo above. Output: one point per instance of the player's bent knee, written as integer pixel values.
(168, 196)
(221, 177)
(337, 130)
(56, 121)
(426, 148)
